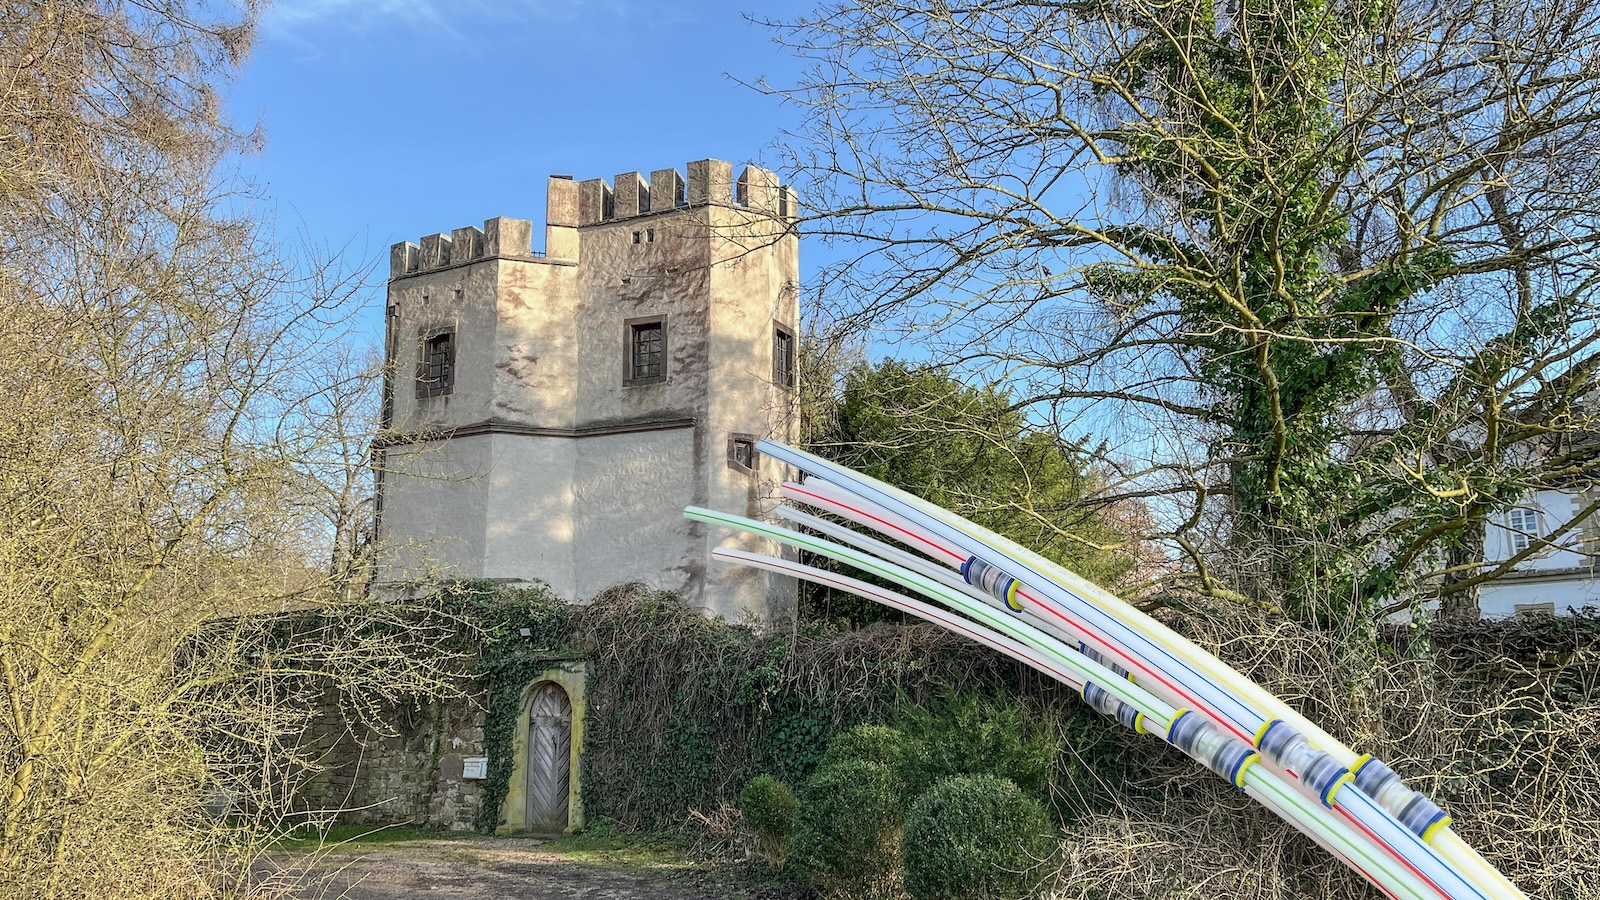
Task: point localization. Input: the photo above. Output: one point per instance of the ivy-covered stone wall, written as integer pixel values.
(408, 768)
(405, 762)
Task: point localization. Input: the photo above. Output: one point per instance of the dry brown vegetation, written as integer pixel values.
(180, 446)
(1495, 720)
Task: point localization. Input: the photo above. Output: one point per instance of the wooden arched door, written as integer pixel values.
(549, 758)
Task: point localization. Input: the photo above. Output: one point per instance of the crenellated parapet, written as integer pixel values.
(709, 181)
(571, 205)
(499, 237)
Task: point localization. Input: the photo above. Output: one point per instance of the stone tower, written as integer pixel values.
(551, 412)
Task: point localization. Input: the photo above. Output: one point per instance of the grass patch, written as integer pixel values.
(623, 851)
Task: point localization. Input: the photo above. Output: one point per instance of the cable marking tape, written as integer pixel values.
(1222, 753)
(993, 580)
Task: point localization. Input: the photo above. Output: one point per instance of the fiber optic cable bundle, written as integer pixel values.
(1125, 664)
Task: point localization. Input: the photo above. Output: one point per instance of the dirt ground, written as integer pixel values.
(501, 869)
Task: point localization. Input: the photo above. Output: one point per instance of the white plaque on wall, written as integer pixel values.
(474, 768)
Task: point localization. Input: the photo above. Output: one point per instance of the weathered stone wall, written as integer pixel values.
(413, 774)
(411, 769)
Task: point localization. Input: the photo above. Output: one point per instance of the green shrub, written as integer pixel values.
(847, 832)
(977, 837)
(905, 756)
(972, 735)
(769, 806)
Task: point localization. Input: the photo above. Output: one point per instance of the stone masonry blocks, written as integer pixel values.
(561, 203)
(465, 244)
(571, 204)
(758, 189)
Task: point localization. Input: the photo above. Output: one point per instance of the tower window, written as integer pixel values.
(436, 369)
(649, 235)
(742, 452)
(636, 236)
(647, 350)
(783, 363)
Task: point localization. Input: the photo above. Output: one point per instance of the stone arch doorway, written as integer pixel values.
(549, 760)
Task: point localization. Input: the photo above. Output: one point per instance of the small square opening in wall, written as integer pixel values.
(637, 236)
(742, 454)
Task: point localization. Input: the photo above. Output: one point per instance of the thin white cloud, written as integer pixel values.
(292, 18)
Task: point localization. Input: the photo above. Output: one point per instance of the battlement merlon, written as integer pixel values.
(631, 196)
(561, 218)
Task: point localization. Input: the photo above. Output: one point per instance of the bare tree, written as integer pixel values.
(1322, 272)
(180, 439)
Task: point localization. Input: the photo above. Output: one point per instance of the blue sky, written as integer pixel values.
(389, 119)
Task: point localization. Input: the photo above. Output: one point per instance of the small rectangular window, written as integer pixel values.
(783, 362)
(647, 350)
(650, 236)
(436, 367)
(636, 236)
(742, 452)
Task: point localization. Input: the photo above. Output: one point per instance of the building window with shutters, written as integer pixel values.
(783, 360)
(436, 368)
(645, 359)
(1524, 528)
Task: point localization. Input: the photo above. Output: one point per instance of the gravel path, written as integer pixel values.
(495, 869)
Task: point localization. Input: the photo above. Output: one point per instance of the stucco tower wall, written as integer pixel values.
(531, 523)
(436, 504)
(633, 488)
(756, 258)
(445, 479)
